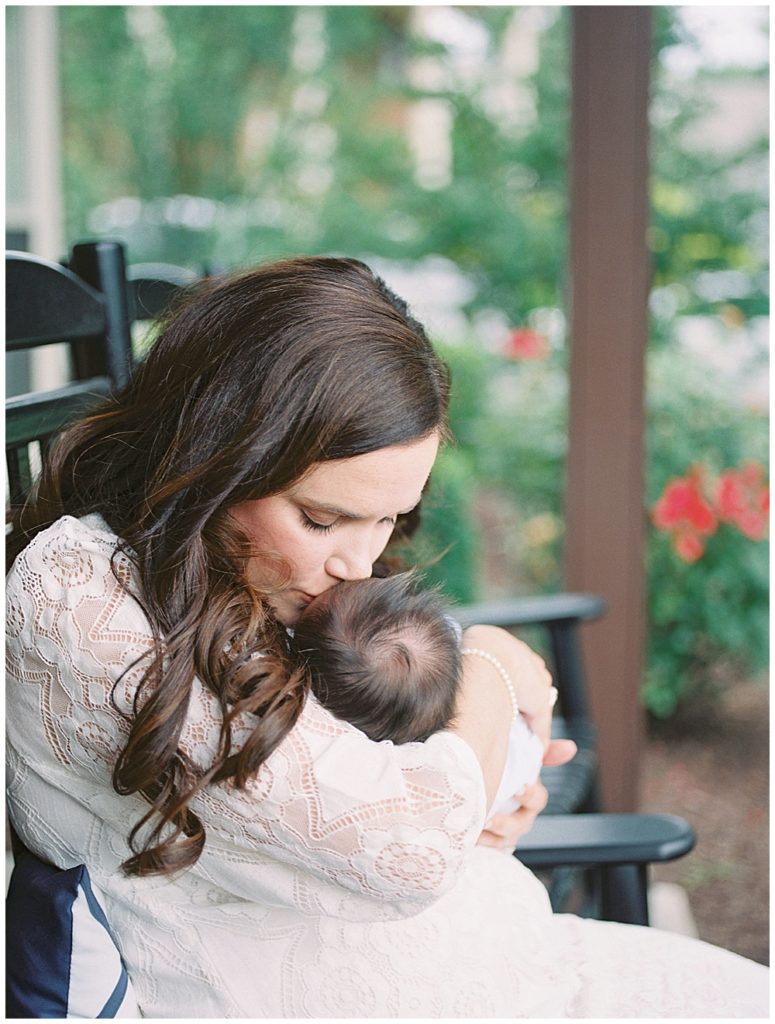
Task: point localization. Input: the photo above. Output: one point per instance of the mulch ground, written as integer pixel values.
(714, 771)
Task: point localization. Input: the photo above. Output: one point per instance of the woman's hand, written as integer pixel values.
(505, 830)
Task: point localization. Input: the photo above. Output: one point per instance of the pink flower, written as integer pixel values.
(752, 523)
(525, 343)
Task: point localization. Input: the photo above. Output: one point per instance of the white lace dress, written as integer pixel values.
(343, 883)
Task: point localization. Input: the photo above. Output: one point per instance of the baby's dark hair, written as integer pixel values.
(383, 656)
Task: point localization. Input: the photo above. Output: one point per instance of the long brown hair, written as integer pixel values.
(253, 381)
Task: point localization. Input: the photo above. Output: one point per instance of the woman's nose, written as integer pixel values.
(350, 562)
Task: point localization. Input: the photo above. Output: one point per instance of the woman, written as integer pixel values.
(258, 857)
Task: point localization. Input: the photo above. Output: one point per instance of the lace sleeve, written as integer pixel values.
(388, 825)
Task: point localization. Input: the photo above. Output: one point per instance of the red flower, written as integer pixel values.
(683, 511)
(730, 496)
(742, 498)
(682, 506)
(525, 343)
(688, 546)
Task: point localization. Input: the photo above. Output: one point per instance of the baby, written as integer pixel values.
(386, 658)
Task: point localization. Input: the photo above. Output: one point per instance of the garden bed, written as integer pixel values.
(712, 768)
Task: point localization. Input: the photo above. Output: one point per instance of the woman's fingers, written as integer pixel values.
(504, 830)
(560, 752)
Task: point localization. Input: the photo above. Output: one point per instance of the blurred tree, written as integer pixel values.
(307, 112)
(708, 193)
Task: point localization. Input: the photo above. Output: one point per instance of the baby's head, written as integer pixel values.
(382, 656)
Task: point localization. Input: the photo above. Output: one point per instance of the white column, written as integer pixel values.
(42, 204)
(41, 209)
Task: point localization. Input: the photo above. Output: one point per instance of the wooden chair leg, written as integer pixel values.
(623, 893)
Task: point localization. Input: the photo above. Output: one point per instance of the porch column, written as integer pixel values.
(609, 281)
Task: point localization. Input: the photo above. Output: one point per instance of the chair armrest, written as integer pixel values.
(586, 840)
(530, 611)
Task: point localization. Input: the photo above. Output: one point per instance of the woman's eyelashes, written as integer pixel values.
(312, 524)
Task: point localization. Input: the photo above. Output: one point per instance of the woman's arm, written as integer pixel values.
(378, 830)
(483, 718)
(485, 706)
(485, 714)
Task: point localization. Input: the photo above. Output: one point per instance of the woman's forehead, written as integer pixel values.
(366, 485)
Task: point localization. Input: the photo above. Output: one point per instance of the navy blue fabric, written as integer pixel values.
(39, 938)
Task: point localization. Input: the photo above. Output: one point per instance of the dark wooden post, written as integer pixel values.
(609, 280)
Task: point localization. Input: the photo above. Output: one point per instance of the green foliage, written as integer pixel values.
(445, 549)
(206, 101)
(707, 620)
(496, 492)
(150, 123)
(708, 198)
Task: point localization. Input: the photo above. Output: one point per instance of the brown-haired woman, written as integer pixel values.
(258, 857)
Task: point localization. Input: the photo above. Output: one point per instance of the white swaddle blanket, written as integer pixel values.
(523, 763)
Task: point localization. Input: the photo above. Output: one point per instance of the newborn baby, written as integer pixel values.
(385, 657)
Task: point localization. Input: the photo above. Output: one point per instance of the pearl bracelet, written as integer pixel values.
(553, 693)
(501, 672)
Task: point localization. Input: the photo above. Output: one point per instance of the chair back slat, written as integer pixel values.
(88, 303)
(34, 420)
(47, 303)
(37, 416)
(103, 266)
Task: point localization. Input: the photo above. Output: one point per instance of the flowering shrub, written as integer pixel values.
(740, 498)
(707, 557)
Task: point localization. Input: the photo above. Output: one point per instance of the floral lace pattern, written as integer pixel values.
(342, 882)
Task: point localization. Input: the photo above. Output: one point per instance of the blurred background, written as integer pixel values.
(433, 143)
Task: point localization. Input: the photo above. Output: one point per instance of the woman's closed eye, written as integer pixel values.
(313, 524)
(310, 521)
